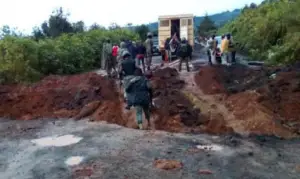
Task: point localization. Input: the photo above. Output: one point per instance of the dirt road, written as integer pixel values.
(109, 151)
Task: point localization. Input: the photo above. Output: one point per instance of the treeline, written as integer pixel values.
(269, 31)
(57, 47)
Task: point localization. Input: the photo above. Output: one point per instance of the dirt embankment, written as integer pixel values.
(58, 97)
(262, 102)
(97, 97)
(251, 102)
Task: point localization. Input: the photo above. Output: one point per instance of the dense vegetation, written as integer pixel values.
(207, 27)
(58, 47)
(268, 32)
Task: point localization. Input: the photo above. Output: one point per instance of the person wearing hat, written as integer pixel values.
(184, 53)
(149, 48)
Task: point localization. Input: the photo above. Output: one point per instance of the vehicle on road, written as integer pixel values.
(182, 25)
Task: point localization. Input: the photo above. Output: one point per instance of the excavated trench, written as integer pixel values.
(215, 100)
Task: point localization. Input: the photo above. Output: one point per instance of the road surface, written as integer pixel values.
(96, 150)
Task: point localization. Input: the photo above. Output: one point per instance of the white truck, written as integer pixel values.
(182, 25)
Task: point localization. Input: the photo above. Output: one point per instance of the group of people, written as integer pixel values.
(227, 50)
(112, 55)
(182, 49)
(126, 61)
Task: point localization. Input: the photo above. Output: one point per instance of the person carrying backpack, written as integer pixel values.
(184, 54)
(139, 94)
(126, 71)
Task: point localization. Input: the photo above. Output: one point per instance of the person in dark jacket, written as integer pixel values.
(132, 49)
(139, 95)
(127, 69)
(141, 53)
(184, 52)
(127, 65)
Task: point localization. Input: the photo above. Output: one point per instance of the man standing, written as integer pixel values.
(184, 53)
(139, 95)
(115, 55)
(132, 49)
(103, 58)
(231, 49)
(141, 52)
(108, 62)
(212, 46)
(120, 52)
(225, 51)
(149, 47)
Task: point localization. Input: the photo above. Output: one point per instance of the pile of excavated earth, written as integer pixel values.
(264, 102)
(215, 100)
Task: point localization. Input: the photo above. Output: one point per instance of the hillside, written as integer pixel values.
(268, 32)
(219, 19)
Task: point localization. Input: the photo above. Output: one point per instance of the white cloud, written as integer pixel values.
(26, 14)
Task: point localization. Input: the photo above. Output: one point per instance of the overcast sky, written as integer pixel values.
(25, 14)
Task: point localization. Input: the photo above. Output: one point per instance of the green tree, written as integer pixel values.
(142, 31)
(269, 32)
(96, 26)
(73, 50)
(57, 24)
(114, 26)
(8, 31)
(78, 27)
(207, 27)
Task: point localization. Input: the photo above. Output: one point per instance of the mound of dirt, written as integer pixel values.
(175, 111)
(281, 96)
(262, 102)
(232, 79)
(56, 96)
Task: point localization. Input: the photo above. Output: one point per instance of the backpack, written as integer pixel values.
(137, 91)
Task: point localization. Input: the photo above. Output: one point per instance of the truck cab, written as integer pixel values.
(182, 25)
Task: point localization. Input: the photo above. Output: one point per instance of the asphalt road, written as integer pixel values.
(97, 150)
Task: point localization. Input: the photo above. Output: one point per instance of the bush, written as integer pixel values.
(269, 32)
(25, 60)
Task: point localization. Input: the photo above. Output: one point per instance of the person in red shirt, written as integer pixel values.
(115, 55)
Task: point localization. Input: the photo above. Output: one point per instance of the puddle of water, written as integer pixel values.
(57, 141)
(75, 160)
(212, 147)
